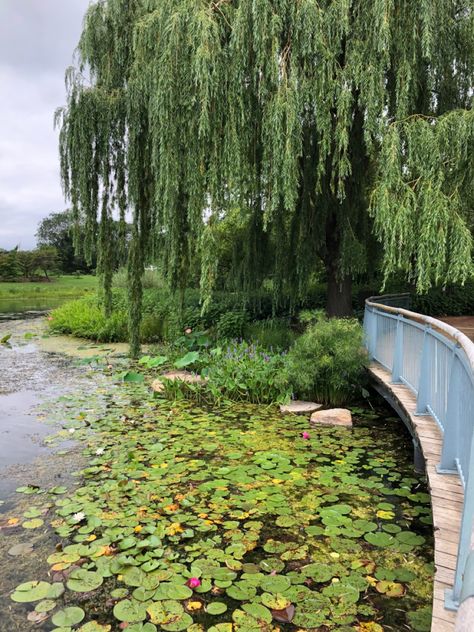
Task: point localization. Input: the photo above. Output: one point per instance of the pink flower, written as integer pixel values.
(305, 435)
(193, 582)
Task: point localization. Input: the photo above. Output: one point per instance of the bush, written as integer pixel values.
(231, 325)
(272, 333)
(456, 300)
(239, 372)
(327, 362)
(150, 279)
(85, 319)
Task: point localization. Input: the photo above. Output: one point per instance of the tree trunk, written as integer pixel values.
(339, 296)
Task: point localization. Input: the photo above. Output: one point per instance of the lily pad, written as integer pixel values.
(130, 611)
(275, 602)
(383, 540)
(31, 591)
(68, 616)
(81, 580)
(216, 607)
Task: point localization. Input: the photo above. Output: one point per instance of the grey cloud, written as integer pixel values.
(37, 41)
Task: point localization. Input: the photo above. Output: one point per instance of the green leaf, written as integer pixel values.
(132, 376)
(129, 611)
(81, 580)
(190, 358)
(31, 591)
(379, 539)
(216, 607)
(68, 616)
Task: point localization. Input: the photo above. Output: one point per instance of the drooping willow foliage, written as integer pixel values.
(322, 121)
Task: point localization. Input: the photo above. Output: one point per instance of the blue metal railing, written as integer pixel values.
(436, 362)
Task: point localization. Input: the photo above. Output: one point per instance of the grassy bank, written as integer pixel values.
(57, 287)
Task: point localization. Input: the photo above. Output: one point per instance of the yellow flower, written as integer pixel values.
(174, 528)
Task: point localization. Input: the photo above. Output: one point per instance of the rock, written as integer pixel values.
(298, 407)
(183, 376)
(333, 417)
(158, 386)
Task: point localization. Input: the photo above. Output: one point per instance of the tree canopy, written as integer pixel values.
(328, 124)
(56, 230)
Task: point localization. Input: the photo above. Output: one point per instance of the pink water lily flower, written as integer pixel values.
(193, 582)
(305, 435)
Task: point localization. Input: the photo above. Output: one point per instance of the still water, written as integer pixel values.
(15, 308)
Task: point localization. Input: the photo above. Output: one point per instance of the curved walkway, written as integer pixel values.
(446, 496)
(425, 369)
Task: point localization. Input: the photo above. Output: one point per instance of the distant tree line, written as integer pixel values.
(29, 264)
(58, 251)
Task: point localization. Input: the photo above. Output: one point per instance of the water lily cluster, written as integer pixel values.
(232, 518)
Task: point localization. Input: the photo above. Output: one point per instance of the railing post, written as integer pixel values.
(370, 325)
(397, 364)
(452, 597)
(449, 450)
(424, 381)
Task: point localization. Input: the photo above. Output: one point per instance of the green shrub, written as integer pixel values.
(85, 319)
(239, 372)
(150, 279)
(272, 333)
(152, 328)
(455, 300)
(327, 362)
(231, 325)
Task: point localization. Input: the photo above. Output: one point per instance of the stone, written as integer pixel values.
(333, 417)
(183, 376)
(298, 407)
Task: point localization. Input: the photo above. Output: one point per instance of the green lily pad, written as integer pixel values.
(275, 584)
(81, 580)
(45, 606)
(380, 539)
(275, 602)
(130, 611)
(31, 591)
(258, 611)
(32, 524)
(242, 591)
(216, 607)
(68, 616)
(164, 612)
(272, 565)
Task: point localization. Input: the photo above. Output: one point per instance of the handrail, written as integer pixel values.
(447, 330)
(436, 362)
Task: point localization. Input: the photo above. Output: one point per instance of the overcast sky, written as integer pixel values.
(37, 42)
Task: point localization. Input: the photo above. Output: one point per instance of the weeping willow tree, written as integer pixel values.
(328, 124)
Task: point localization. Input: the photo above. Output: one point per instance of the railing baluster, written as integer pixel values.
(397, 365)
(424, 377)
(453, 596)
(450, 448)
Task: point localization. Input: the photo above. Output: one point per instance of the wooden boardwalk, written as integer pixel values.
(463, 323)
(446, 498)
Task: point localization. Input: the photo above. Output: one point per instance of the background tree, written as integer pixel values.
(321, 120)
(47, 260)
(27, 262)
(9, 268)
(56, 230)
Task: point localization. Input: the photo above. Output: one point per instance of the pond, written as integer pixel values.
(20, 308)
(189, 518)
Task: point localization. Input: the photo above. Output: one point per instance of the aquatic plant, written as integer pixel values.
(188, 518)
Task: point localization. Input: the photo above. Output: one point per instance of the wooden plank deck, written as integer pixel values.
(463, 323)
(446, 499)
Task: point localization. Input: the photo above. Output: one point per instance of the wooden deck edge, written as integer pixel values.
(446, 494)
